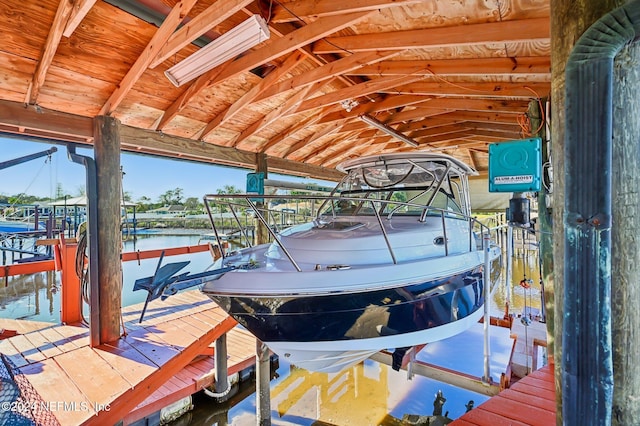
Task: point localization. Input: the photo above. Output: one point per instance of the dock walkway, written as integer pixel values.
(528, 402)
(151, 364)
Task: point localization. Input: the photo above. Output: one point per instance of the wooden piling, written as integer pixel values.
(109, 239)
(625, 261)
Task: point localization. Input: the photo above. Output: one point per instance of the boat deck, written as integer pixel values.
(155, 363)
(528, 402)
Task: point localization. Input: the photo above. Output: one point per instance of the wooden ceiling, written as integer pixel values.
(453, 75)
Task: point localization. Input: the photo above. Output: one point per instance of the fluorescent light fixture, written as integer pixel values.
(229, 45)
(389, 130)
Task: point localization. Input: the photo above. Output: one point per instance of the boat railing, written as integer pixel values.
(261, 208)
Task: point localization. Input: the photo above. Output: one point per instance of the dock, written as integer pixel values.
(528, 402)
(157, 362)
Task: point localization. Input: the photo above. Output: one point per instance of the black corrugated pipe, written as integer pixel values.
(587, 364)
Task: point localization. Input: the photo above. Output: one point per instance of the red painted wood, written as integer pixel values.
(530, 401)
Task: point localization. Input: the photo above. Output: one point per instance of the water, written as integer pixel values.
(367, 394)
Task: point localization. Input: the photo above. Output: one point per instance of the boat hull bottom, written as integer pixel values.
(323, 356)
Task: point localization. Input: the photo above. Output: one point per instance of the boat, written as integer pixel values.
(392, 259)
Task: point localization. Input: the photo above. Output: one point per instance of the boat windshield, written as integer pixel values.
(419, 185)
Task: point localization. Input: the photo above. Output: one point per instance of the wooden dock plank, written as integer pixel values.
(61, 342)
(159, 358)
(481, 417)
(97, 380)
(519, 411)
(68, 404)
(28, 350)
(130, 399)
(10, 351)
(48, 349)
(530, 401)
(200, 373)
(533, 400)
(132, 365)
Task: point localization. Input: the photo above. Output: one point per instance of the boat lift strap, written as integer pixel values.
(166, 281)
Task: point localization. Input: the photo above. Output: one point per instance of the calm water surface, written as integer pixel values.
(367, 394)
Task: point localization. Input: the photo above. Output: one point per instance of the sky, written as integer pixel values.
(143, 175)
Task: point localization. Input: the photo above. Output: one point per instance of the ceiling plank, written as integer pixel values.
(305, 10)
(281, 111)
(49, 51)
(169, 25)
(218, 12)
(472, 34)
(288, 133)
(291, 62)
(79, 11)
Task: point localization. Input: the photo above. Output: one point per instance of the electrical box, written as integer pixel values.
(255, 183)
(515, 166)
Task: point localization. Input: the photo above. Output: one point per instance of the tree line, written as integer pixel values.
(171, 197)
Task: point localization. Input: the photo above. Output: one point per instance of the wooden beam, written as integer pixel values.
(306, 10)
(150, 142)
(534, 66)
(43, 122)
(523, 30)
(49, 51)
(171, 22)
(215, 14)
(109, 238)
(79, 11)
(289, 132)
(508, 90)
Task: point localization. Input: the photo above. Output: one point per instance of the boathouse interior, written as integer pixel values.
(326, 81)
(447, 75)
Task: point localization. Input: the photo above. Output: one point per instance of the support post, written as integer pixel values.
(625, 261)
(222, 379)
(263, 378)
(262, 233)
(486, 289)
(109, 183)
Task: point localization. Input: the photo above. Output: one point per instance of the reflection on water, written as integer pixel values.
(33, 297)
(365, 394)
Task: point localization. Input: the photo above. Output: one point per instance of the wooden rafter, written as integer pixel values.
(472, 34)
(474, 89)
(218, 12)
(305, 10)
(49, 51)
(169, 25)
(537, 65)
(79, 11)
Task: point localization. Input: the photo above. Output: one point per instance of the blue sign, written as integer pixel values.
(515, 166)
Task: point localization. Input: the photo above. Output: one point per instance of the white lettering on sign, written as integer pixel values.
(505, 180)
